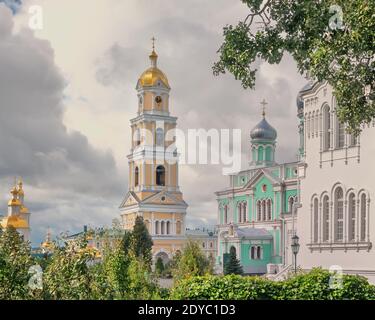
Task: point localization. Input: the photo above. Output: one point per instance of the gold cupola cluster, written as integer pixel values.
(18, 213)
(153, 76)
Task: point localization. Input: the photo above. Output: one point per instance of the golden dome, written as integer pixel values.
(150, 77)
(15, 222)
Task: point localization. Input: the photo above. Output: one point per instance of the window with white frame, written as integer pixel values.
(363, 217)
(351, 217)
(326, 128)
(325, 215)
(339, 214)
(340, 134)
(316, 220)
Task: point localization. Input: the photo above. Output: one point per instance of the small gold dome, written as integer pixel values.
(14, 202)
(15, 222)
(153, 74)
(150, 77)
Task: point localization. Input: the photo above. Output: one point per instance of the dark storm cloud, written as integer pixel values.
(35, 144)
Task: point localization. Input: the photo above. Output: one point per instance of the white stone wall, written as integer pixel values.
(351, 167)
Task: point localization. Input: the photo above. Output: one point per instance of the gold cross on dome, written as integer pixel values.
(264, 103)
(153, 43)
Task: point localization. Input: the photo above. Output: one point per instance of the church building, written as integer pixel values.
(153, 190)
(18, 215)
(255, 211)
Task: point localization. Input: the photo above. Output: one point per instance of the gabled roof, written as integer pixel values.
(262, 172)
(163, 197)
(130, 199)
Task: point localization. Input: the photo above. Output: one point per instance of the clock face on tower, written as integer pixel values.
(158, 100)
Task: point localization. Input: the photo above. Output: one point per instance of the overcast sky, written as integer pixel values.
(67, 93)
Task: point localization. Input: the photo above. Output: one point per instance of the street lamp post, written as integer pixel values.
(295, 249)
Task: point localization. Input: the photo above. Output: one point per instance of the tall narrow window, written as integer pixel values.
(225, 214)
(351, 216)
(264, 212)
(259, 211)
(252, 252)
(239, 212)
(160, 176)
(312, 124)
(168, 227)
(325, 218)
(136, 176)
(259, 252)
(244, 209)
(363, 217)
(353, 140)
(269, 209)
(327, 128)
(290, 203)
(317, 122)
(157, 227)
(162, 227)
(340, 134)
(159, 137)
(316, 219)
(339, 214)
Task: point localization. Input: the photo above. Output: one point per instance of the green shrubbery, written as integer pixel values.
(314, 285)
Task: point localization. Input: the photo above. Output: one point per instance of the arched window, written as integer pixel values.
(159, 137)
(168, 227)
(290, 203)
(352, 218)
(259, 211)
(160, 176)
(136, 176)
(363, 217)
(316, 219)
(259, 252)
(340, 134)
(339, 214)
(353, 140)
(327, 128)
(252, 250)
(244, 213)
(157, 227)
(260, 153)
(269, 209)
(325, 218)
(162, 227)
(226, 214)
(232, 250)
(239, 212)
(264, 212)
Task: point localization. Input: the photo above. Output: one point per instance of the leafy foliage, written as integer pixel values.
(326, 45)
(192, 262)
(314, 285)
(159, 266)
(15, 261)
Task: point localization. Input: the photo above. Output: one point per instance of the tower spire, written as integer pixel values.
(153, 55)
(264, 103)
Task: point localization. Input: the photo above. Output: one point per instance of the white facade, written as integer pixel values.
(337, 186)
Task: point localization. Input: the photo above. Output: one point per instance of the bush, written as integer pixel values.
(314, 285)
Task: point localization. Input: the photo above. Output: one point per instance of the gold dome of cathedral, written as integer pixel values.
(15, 222)
(152, 75)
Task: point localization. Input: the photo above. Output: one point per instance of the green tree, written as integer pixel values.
(15, 262)
(159, 266)
(331, 40)
(233, 265)
(141, 242)
(68, 276)
(192, 262)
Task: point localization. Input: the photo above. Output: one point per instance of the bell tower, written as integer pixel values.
(153, 187)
